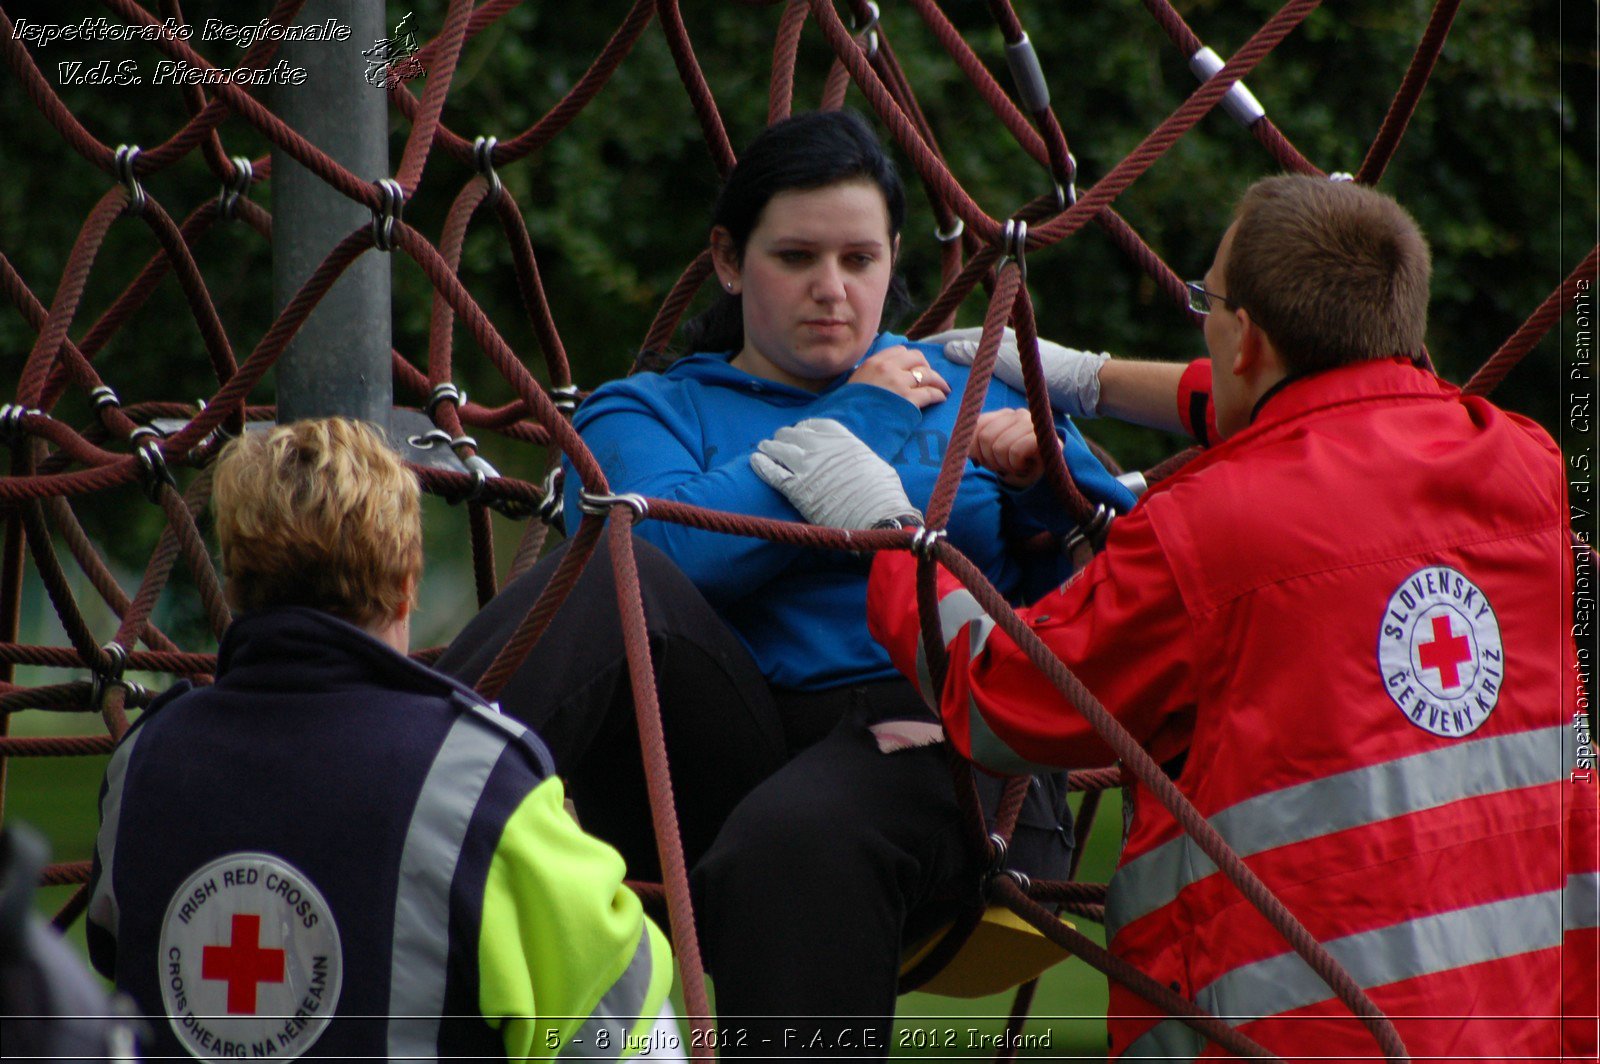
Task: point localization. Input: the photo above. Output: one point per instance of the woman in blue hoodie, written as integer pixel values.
(840, 856)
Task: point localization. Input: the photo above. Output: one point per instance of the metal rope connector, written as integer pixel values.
(384, 218)
(102, 396)
(1066, 197)
(1239, 101)
(101, 681)
(870, 28)
(220, 432)
(565, 398)
(127, 155)
(152, 463)
(11, 415)
(441, 392)
(596, 505)
(953, 234)
(1341, 175)
(997, 853)
(483, 155)
(426, 441)
(236, 185)
(482, 472)
(552, 505)
(924, 541)
(1032, 89)
(1014, 245)
(1092, 531)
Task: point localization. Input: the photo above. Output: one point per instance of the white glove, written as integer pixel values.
(1071, 376)
(831, 477)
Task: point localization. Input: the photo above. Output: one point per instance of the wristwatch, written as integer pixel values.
(908, 520)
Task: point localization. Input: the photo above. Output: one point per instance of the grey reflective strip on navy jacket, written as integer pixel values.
(434, 839)
(619, 1012)
(103, 903)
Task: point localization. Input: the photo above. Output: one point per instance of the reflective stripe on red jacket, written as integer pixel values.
(1352, 619)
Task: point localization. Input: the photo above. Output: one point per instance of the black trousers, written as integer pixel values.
(722, 730)
(816, 858)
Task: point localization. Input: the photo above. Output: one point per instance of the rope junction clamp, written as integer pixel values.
(235, 186)
(1341, 175)
(103, 396)
(596, 505)
(483, 155)
(481, 472)
(383, 219)
(870, 28)
(1066, 197)
(552, 504)
(153, 464)
(127, 155)
(1028, 75)
(440, 393)
(11, 415)
(427, 440)
(953, 234)
(1092, 531)
(101, 681)
(1239, 101)
(924, 541)
(565, 398)
(997, 853)
(1014, 245)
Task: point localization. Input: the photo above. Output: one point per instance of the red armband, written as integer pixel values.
(1195, 409)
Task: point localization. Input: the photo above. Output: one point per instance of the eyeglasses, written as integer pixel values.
(1200, 299)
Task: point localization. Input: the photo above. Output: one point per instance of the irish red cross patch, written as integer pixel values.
(250, 959)
(1439, 652)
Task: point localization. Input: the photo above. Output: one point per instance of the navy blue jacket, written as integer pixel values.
(379, 791)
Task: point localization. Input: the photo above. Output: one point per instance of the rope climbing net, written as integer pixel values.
(54, 463)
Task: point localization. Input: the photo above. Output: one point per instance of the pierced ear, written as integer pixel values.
(725, 259)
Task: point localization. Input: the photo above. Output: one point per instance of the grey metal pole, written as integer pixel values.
(338, 363)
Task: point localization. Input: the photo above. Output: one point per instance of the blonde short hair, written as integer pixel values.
(319, 513)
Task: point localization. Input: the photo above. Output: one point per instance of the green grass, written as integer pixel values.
(58, 797)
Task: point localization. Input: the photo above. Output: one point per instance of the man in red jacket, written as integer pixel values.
(1344, 630)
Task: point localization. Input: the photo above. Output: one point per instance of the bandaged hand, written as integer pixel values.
(831, 477)
(1072, 377)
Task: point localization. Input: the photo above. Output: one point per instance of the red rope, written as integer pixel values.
(93, 461)
(1530, 332)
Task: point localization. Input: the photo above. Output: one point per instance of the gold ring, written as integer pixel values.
(916, 375)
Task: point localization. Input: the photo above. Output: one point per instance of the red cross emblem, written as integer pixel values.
(1445, 653)
(243, 963)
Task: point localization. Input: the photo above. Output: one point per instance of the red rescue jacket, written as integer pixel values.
(1353, 622)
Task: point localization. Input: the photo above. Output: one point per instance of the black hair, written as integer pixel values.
(808, 151)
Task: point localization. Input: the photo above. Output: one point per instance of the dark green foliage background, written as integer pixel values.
(1498, 165)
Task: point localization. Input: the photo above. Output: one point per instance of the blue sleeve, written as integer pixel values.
(1037, 507)
(640, 452)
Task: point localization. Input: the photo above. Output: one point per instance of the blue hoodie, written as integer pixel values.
(686, 435)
